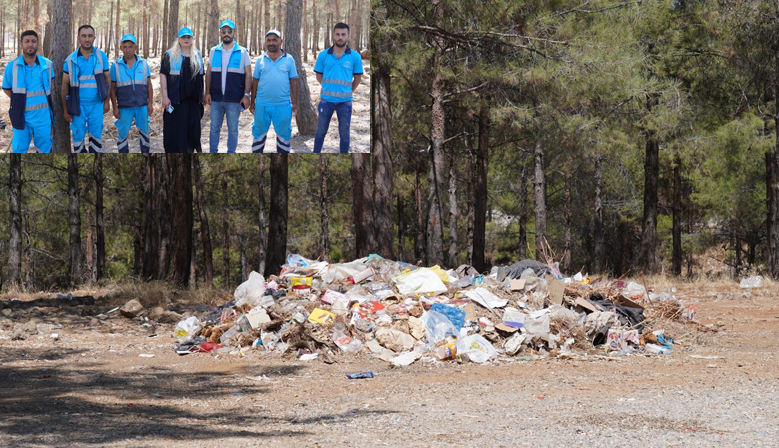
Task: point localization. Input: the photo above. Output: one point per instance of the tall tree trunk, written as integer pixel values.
(173, 22)
(137, 250)
(165, 218)
(74, 220)
(225, 237)
(151, 212)
(165, 23)
(244, 264)
(480, 190)
(267, 16)
(419, 241)
(214, 27)
(315, 19)
(47, 33)
(90, 256)
(15, 215)
(304, 44)
(263, 221)
(99, 220)
(29, 275)
(181, 224)
(773, 179)
(277, 230)
(649, 227)
(677, 217)
(600, 248)
(567, 239)
(145, 33)
(324, 217)
(523, 212)
(205, 232)
(61, 27)
(381, 148)
(453, 214)
(193, 261)
(107, 45)
(306, 117)
(362, 199)
(117, 37)
(401, 229)
(469, 164)
(354, 24)
(539, 192)
(435, 225)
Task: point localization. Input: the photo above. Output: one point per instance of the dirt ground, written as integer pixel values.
(92, 386)
(360, 135)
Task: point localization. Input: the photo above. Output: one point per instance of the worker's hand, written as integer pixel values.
(117, 115)
(294, 110)
(106, 107)
(165, 104)
(68, 117)
(245, 102)
(251, 107)
(207, 99)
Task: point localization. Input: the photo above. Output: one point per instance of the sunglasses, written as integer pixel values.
(227, 31)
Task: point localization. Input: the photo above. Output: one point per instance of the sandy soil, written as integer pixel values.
(359, 137)
(91, 387)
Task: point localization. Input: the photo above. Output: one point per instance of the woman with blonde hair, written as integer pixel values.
(181, 85)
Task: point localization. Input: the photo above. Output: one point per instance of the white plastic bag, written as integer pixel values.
(438, 326)
(187, 329)
(420, 281)
(477, 348)
(251, 291)
(344, 342)
(752, 282)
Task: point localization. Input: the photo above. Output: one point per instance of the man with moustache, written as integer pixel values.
(85, 92)
(228, 82)
(339, 70)
(275, 78)
(27, 81)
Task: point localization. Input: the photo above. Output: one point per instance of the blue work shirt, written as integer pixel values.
(338, 74)
(128, 73)
(86, 69)
(33, 82)
(273, 86)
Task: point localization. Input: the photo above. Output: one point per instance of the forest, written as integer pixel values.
(612, 136)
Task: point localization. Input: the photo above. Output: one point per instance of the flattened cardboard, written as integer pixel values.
(624, 301)
(470, 311)
(517, 285)
(505, 328)
(555, 289)
(586, 305)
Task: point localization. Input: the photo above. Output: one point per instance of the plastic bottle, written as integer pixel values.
(446, 351)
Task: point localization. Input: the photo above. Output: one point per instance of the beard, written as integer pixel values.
(341, 45)
(227, 39)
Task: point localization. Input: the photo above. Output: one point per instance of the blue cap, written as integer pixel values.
(185, 32)
(129, 37)
(274, 31)
(225, 23)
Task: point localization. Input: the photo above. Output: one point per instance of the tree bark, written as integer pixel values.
(677, 218)
(205, 232)
(567, 239)
(263, 221)
(173, 22)
(306, 117)
(165, 22)
(145, 32)
(244, 264)
(225, 237)
(381, 148)
(364, 230)
(214, 17)
(523, 212)
(181, 225)
(61, 27)
(117, 37)
(74, 220)
(453, 214)
(164, 218)
(539, 192)
(324, 223)
(649, 227)
(15, 215)
(401, 228)
(277, 230)
(435, 225)
(773, 186)
(151, 237)
(600, 254)
(480, 190)
(419, 240)
(99, 220)
(46, 49)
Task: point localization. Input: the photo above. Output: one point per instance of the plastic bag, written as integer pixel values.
(477, 348)
(533, 282)
(420, 281)
(187, 329)
(438, 326)
(251, 291)
(752, 282)
(537, 324)
(634, 290)
(344, 342)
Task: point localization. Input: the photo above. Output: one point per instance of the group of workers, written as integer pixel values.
(188, 82)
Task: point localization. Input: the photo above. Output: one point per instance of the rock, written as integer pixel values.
(7, 312)
(156, 312)
(365, 54)
(170, 317)
(132, 309)
(6, 325)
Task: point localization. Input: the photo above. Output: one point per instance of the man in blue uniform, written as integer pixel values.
(339, 70)
(85, 92)
(131, 95)
(228, 82)
(275, 77)
(27, 81)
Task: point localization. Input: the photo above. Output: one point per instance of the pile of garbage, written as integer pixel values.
(399, 313)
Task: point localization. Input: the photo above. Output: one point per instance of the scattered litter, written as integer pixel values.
(356, 376)
(146, 355)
